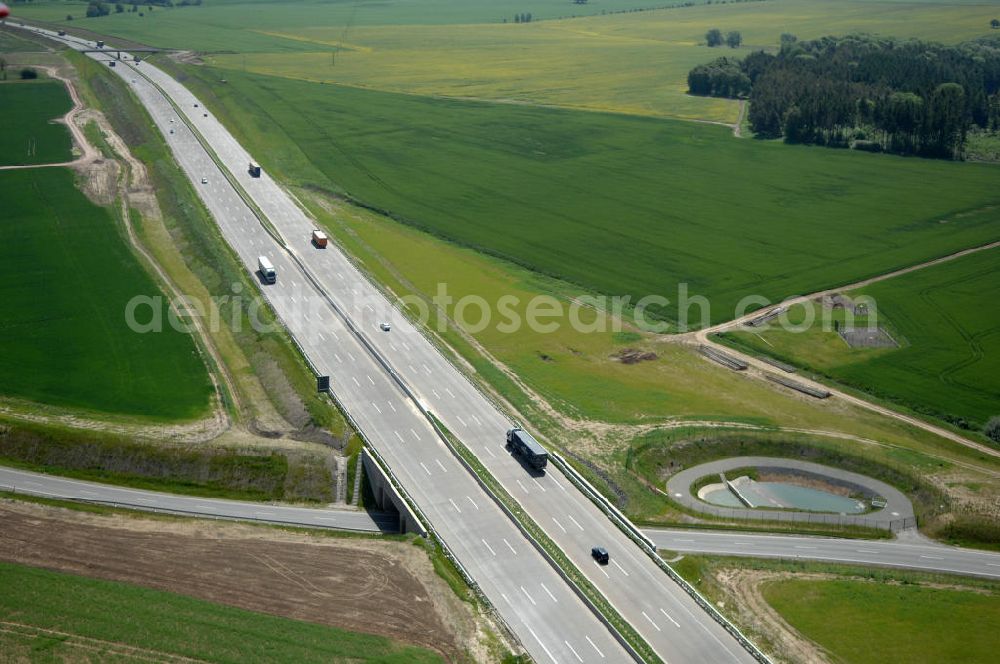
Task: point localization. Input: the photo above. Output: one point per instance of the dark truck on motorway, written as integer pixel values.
(526, 447)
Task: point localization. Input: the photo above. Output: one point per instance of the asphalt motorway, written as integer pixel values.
(552, 623)
(910, 551)
(336, 325)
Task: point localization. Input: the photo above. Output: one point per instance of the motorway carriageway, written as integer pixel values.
(551, 622)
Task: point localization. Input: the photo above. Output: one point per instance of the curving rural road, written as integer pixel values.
(48, 486)
(911, 551)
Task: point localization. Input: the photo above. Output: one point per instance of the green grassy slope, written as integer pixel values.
(66, 277)
(618, 205)
(945, 318)
(168, 624)
(27, 109)
(863, 622)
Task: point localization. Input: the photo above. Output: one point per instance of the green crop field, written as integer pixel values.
(29, 136)
(78, 609)
(617, 205)
(862, 622)
(10, 42)
(66, 277)
(252, 25)
(575, 370)
(945, 319)
(633, 62)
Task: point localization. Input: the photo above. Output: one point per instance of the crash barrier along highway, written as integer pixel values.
(649, 547)
(403, 497)
(605, 620)
(779, 516)
(387, 496)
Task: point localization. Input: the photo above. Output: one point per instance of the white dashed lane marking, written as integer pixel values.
(594, 646)
(676, 624)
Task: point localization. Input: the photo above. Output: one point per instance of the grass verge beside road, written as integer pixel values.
(858, 615)
(211, 471)
(265, 367)
(870, 623)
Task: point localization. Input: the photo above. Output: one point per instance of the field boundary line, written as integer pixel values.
(100, 646)
(705, 337)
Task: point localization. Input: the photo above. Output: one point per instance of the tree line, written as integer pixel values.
(100, 8)
(907, 97)
(714, 37)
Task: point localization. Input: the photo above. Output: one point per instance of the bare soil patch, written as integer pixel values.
(633, 356)
(375, 586)
(743, 589)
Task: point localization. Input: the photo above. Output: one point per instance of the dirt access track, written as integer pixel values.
(366, 585)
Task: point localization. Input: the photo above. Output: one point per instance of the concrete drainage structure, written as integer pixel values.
(891, 510)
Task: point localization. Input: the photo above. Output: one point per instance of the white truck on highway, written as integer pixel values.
(266, 270)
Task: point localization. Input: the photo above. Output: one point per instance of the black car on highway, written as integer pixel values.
(600, 554)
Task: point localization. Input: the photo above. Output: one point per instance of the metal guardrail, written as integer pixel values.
(600, 500)
(649, 547)
(538, 545)
(376, 456)
(741, 638)
(779, 516)
(609, 509)
(397, 500)
(470, 581)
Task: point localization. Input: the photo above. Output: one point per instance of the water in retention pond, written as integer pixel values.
(781, 495)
